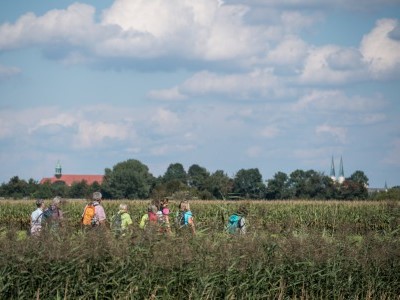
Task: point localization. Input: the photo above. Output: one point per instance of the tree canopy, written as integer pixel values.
(131, 179)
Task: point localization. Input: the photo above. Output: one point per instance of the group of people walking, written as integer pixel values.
(157, 218)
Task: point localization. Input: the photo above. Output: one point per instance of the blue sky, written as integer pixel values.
(277, 85)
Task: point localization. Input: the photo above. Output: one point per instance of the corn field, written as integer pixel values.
(292, 250)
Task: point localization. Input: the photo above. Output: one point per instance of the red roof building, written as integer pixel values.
(70, 179)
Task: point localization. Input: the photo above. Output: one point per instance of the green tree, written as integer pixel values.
(277, 187)
(314, 185)
(392, 194)
(219, 185)
(359, 177)
(17, 188)
(59, 188)
(352, 190)
(94, 187)
(44, 191)
(297, 184)
(79, 190)
(249, 183)
(174, 172)
(197, 177)
(128, 180)
(330, 188)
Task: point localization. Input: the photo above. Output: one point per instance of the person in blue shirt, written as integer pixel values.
(185, 217)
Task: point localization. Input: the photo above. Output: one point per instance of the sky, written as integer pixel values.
(277, 85)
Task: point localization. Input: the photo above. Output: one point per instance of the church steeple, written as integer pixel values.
(332, 174)
(341, 171)
(58, 172)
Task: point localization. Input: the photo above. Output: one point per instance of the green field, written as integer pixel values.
(293, 250)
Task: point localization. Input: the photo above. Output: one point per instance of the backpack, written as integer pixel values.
(180, 219)
(153, 218)
(233, 224)
(89, 217)
(51, 217)
(116, 224)
(47, 214)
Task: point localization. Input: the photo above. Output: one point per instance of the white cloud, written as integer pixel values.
(259, 83)
(381, 51)
(340, 133)
(91, 134)
(204, 30)
(73, 26)
(317, 4)
(295, 21)
(337, 100)
(63, 120)
(165, 121)
(183, 30)
(345, 59)
(330, 65)
(291, 51)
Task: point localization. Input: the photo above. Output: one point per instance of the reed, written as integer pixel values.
(307, 250)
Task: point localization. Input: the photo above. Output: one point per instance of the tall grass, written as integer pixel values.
(294, 250)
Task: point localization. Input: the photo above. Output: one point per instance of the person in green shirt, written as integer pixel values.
(121, 222)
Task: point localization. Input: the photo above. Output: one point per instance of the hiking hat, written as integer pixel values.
(97, 196)
(57, 200)
(39, 202)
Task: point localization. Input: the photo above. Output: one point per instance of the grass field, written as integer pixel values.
(293, 250)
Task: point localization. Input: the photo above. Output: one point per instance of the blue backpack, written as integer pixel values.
(233, 224)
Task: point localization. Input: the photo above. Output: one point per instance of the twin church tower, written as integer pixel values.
(341, 178)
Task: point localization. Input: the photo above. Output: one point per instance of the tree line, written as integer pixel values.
(131, 179)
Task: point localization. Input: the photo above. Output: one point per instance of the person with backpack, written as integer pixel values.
(184, 218)
(121, 221)
(94, 214)
(53, 215)
(150, 217)
(237, 221)
(165, 226)
(36, 218)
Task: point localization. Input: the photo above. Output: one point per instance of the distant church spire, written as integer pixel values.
(341, 171)
(58, 172)
(332, 174)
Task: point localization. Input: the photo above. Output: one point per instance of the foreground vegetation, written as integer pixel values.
(294, 249)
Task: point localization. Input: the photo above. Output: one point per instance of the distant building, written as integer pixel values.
(341, 172)
(378, 190)
(332, 174)
(69, 179)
